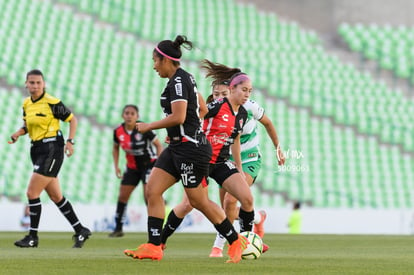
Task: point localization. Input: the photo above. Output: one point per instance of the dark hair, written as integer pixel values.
(209, 99)
(221, 74)
(132, 106)
(34, 72)
(296, 205)
(173, 48)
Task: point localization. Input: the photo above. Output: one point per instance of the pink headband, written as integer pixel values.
(239, 79)
(167, 56)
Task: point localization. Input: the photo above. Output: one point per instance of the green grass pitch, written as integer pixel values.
(188, 254)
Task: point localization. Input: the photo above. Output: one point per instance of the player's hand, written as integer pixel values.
(142, 127)
(69, 149)
(280, 156)
(118, 173)
(13, 139)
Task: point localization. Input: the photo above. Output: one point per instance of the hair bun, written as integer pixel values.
(179, 40)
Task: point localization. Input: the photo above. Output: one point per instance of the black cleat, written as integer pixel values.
(81, 237)
(116, 234)
(28, 241)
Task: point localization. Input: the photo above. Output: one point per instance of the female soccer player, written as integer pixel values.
(186, 157)
(251, 162)
(41, 115)
(223, 125)
(140, 158)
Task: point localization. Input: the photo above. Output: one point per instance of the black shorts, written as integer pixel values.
(134, 176)
(186, 161)
(221, 171)
(47, 158)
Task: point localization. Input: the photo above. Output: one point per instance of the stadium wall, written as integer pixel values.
(315, 221)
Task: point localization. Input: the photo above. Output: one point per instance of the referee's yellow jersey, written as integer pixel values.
(42, 116)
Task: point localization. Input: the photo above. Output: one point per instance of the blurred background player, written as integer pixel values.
(25, 219)
(140, 158)
(41, 115)
(295, 220)
(186, 157)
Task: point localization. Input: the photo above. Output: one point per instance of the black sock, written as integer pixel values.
(246, 220)
(35, 208)
(173, 222)
(66, 208)
(119, 215)
(227, 230)
(154, 230)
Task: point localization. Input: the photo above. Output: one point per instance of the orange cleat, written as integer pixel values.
(259, 228)
(163, 246)
(265, 248)
(236, 248)
(145, 251)
(216, 252)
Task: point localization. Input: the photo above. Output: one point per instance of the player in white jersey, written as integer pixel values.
(251, 164)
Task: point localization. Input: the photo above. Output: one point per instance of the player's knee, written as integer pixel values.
(188, 207)
(247, 202)
(124, 197)
(230, 200)
(29, 195)
(32, 194)
(193, 204)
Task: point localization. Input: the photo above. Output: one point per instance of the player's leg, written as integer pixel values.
(47, 159)
(220, 241)
(217, 217)
(125, 192)
(130, 180)
(225, 174)
(158, 183)
(251, 171)
(81, 233)
(237, 187)
(259, 216)
(175, 218)
(36, 185)
(193, 181)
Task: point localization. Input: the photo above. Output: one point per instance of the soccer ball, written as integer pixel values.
(255, 248)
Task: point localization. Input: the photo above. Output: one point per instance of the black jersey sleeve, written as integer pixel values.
(150, 135)
(179, 89)
(241, 119)
(214, 107)
(60, 111)
(116, 141)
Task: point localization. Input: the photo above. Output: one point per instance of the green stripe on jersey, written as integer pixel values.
(245, 138)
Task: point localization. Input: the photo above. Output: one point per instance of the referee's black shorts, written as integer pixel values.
(186, 161)
(47, 158)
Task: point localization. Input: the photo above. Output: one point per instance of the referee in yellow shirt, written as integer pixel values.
(41, 115)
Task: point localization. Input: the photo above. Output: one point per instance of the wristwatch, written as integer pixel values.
(71, 141)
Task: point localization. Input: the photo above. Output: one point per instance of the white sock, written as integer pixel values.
(257, 218)
(219, 242)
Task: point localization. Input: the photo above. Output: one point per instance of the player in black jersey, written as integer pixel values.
(222, 125)
(187, 156)
(140, 158)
